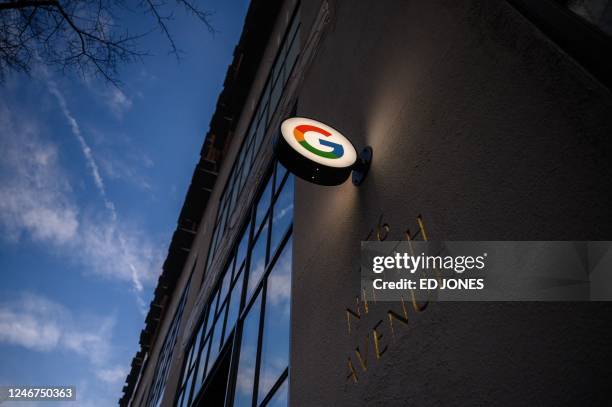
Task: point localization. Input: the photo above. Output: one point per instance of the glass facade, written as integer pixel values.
(268, 102)
(246, 319)
(165, 357)
(239, 351)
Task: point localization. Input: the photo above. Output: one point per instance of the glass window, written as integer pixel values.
(261, 130)
(214, 345)
(262, 112)
(280, 398)
(188, 386)
(258, 260)
(245, 378)
(270, 219)
(156, 391)
(182, 401)
(282, 214)
(234, 304)
(227, 278)
(263, 204)
(292, 55)
(242, 247)
(217, 302)
(202, 364)
(280, 175)
(276, 94)
(251, 155)
(189, 360)
(275, 340)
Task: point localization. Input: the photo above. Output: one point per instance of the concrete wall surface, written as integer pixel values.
(486, 128)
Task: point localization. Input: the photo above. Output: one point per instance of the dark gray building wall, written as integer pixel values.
(490, 131)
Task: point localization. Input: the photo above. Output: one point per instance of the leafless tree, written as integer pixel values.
(82, 35)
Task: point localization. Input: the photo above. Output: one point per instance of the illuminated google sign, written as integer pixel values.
(319, 153)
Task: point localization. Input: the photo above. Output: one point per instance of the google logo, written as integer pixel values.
(318, 142)
(315, 151)
(337, 149)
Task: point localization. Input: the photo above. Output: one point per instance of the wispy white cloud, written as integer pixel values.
(112, 375)
(37, 323)
(127, 169)
(41, 325)
(117, 101)
(86, 150)
(119, 252)
(115, 251)
(33, 192)
(37, 201)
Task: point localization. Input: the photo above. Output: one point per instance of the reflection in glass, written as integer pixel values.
(280, 397)
(234, 305)
(280, 174)
(258, 261)
(242, 247)
(276, 94)
(214, 347)
(191, 350)
(282, 214)
(275, 343)
(243, 395)
(202, 364)
(226, 282)
(187, 387)
(263, 204)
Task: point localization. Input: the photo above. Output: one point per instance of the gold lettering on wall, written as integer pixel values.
(352, 373)
(377, 337)
(401, 318)
(381, 233)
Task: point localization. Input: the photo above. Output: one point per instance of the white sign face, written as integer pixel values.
(318, 142)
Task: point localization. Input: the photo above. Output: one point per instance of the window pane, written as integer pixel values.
(202, 364)
(232, 194)
(187, 387)
(216, 304)
(262, 113)
(243, 395)
(282, 214)
(275, 341)
(261, 130)
(234, 305)
(242, 248)
(227, 277)
(280, 397)
(292, 55)
(258, 260)
(214, 345)
(195, 349)
(181, 401)
(188, 365)
(280, 174)
(263, 204)
(275, 97)
(197, 378)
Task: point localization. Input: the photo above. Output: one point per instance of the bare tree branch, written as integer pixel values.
(81, 35)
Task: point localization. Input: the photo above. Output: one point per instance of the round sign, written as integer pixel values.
(315, 151)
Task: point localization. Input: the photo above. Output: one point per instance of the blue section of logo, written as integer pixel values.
(338, 150)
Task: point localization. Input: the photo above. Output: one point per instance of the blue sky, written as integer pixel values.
(92, 179)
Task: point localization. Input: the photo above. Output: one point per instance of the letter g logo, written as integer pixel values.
(337, 149)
